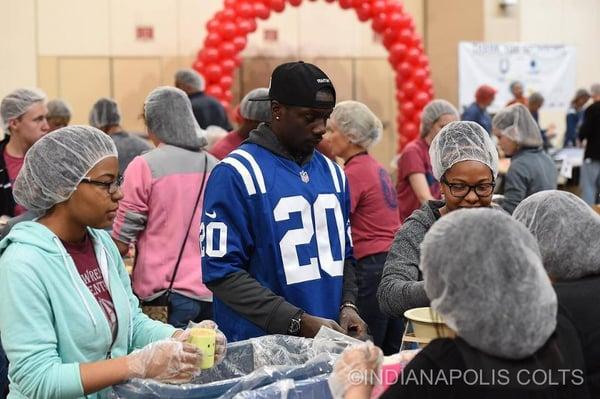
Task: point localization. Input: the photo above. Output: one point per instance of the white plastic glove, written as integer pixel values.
(357, 365)
(220, 339)
(168, 361)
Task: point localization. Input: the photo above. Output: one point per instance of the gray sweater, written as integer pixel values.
(531, 170)
(401, 287)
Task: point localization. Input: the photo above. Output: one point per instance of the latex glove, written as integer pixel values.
(167, 361)
(358, 365)
(220, 339)
(352, 324)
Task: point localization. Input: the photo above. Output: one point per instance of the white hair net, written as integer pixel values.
(57, 162)
(567, 230)
(190, 78)
(105, 112)
(17, 103)
(484, 276)
(357, 122)
(58, 109)
(168, 113)
(256, 110)
(462, 141)
(433, 111)
(516, 123)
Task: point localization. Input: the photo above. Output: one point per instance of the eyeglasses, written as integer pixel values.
(461, 190)
(111, 186)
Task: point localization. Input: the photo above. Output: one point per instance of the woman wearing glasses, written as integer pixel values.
(531, 169)
(70, 323)
(465, 161)
(161, 209)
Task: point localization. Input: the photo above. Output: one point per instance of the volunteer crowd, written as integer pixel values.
(286, 224)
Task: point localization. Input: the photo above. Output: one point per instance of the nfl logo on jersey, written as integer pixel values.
(304, 176)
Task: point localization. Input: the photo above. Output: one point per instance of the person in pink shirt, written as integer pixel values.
(23, 113)
(252, 113)
(416, 184)
(352, 130)
(161, 208)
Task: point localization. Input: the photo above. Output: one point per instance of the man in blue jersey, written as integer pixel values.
(277, 253)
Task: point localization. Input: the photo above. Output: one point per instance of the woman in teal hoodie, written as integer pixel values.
(70, 324)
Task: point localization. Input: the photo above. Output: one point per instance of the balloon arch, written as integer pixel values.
(227, 37)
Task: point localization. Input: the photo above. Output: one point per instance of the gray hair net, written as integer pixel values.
(58, 108)
(17, 103)
(191, 78)
(57, 162)
(516, 123)
(168, 114)
(484, 275)
(105, 112)
(462, 141)
(595, 89)
(433, 111)
(357, 122)
(259, 111)
(567, 230)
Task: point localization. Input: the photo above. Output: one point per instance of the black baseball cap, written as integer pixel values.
(297, 84)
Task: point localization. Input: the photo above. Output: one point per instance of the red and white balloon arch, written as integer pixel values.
(227, 37)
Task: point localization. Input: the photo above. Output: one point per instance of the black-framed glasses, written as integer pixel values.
(461, 190)
(111, 186)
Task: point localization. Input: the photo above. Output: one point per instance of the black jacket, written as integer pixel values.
(7, 201)
(208, 111)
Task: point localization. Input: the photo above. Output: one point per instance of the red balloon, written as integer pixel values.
(423, 60)
(225, 104)
(239, 42)
(409, 88)
(226, 82)
(228, 65)
(405, 36)
(214, 90)
(198, 65)
(229, 3)
(212, 25)
(277, 5)
(390, 36)
(412, 56)
(421, 99)
(228, 14)
(213, 72)
(209, 55)
(227, 96)
(364, 12)
(397, 53)
(261, 11)
(379, 21)
(407, 109)
(227, 50)
(212, 40)
(419, 76)
(245, 9)
(378, 6)
(393, 6)
(228, 30)
(237, 60)
(295, 3)
(345, 4)
(400, 96)
(398, 21)
(404, 70)
(428, 83)
(246, 26)
(410, 130)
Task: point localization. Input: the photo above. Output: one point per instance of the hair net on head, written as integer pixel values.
(462, 141)
(567, 230)
(357, 122)
(256, 110)
(536, 98)
(58, 109)
(595, 89)
(433, 111)
(483, 274)
(105, 112)
(168, 113)
(17, 103)
(57, 162)
(516, 123)
(191, 78)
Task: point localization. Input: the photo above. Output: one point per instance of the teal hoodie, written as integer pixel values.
(50, 321)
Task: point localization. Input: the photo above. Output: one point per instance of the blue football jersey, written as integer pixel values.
(286, 225)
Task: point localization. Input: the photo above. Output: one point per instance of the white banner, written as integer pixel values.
(548, 69)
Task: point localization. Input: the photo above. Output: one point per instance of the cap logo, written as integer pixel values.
(323, 80)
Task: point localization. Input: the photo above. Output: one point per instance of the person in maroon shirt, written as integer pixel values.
(23, 113)
(416, 184)
(352, 130)
(252, 113)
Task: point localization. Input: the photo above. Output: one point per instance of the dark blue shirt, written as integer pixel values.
(477, 114)
(208, 111)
